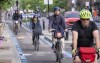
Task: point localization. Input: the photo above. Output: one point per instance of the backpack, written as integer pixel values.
(37, 28)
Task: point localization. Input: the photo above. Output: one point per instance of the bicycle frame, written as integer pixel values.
(58, 46)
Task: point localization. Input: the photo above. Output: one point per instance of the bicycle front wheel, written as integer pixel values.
(36, 45)
(16, 31)
(58, 58)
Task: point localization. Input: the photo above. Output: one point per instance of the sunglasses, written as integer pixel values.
(85, 19)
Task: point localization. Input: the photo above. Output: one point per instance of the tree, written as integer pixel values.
(33, 4)
(4, 4)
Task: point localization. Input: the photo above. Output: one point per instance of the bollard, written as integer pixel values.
(43, 24)
(67, 35)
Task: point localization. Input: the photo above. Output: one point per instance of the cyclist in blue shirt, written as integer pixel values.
(57, 22)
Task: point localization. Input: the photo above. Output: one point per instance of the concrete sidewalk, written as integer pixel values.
(8, 51)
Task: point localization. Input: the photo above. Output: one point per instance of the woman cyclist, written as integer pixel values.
(36, 27)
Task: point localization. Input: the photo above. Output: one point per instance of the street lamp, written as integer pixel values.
(90, 6)
(48, 8)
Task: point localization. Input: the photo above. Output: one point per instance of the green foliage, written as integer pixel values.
(4, 4)
(32, 4)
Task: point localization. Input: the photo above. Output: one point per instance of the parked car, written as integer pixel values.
(30, 15)
(71, 17)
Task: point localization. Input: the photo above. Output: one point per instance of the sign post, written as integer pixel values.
(48, 2)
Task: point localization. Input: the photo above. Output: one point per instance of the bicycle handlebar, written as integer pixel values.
(51, 30)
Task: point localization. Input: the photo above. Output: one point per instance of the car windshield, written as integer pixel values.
(72, 15)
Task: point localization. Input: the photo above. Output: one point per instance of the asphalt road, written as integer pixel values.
(44, 55)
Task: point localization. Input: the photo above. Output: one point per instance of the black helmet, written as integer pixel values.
(56, 8)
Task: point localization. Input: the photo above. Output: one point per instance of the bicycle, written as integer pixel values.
(58, 46)
(16, 28)
(36, 42)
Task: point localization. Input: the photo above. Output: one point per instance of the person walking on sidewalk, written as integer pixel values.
(84, 33)
(36, 27)
(57, 22)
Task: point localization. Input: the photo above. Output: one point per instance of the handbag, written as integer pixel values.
(87, 54)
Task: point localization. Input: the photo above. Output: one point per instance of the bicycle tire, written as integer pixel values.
(59, 58)
(36, 44)
(16, 29)
(58, 52)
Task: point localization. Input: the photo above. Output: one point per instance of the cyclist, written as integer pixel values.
(57, 22)
(36, 27)
(15, 17)
(84, 33)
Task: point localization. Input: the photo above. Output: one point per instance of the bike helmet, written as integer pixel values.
(85, 14)
(56, 8)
